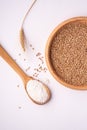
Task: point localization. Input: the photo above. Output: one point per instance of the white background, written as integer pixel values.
(67, 109)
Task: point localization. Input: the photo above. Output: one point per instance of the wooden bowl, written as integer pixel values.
(72, 36)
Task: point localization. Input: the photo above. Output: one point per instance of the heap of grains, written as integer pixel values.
(68, 53)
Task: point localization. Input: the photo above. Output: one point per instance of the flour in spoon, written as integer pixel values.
(37, 91)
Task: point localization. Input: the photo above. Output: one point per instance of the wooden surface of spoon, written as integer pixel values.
(25, 77)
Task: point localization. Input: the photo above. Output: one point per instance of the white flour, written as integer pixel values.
(37, 91)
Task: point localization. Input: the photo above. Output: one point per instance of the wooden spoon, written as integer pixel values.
(37, 91)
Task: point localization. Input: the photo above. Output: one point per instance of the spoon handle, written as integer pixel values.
(13, 64)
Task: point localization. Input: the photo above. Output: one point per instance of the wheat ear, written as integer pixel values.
(22, 34)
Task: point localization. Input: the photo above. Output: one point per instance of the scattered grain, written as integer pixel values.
(27, 69)
(45, 69)
(19, 54)
(41, 59)
(30, 45)
(38, 54)
(19, 107)
(18, 86)
(37, 69)
(35, 74)
(24, 59)
(33, 48)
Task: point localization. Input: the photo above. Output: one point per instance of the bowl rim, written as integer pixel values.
(47, 52)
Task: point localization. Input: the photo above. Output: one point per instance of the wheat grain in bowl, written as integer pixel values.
(66, 53)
